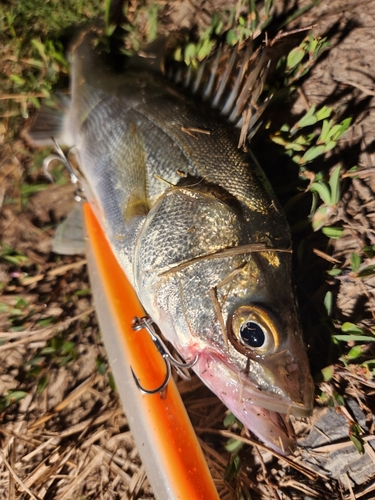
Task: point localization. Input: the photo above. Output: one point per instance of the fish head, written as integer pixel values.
(233, 308)
(264, 378)
(260, 371)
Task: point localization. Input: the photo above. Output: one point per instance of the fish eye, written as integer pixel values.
(252, 334)
(253, 331)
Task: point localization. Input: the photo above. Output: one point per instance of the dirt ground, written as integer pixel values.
(64, 434)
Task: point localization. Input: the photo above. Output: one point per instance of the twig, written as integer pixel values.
(92, 464)
(283, 34)
(265, 474)
(16, 478)
(358, 86)
(76, 393)
(42, 332)
(226, 252)
(311, 474)
(53, 272)
(325, 256)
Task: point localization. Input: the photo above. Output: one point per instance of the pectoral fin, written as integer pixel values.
(136, 204)
(69, 236)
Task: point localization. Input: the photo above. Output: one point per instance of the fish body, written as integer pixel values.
(200, 235)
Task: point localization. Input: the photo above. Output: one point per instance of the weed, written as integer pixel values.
(11, 398)
(34, 63)
(12, 256)
(301, 59)
(58, 351)
(304, 146)
(245, 20)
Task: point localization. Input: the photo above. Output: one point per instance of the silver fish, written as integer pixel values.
(195, 226)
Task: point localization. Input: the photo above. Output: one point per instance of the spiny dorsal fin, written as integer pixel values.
(51, 121)
(232, 80)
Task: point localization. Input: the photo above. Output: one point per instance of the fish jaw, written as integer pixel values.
(265, 414)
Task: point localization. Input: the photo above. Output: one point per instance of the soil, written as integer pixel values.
(68, 436)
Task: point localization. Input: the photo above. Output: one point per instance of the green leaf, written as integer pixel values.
(320, 217)
(85, 291)
(42, 384)
(368, 251)
(177, 56)
(111, 382)
(330, 145)
(328, 373)
(67, 347)
(350, 327)
(294, 146)
(40, 47)
(333, 232)
(15, 311)
(358, 443)
(229, 420)
(22, 303)
(46, 321)
(306, 121)
(29, 189)
(323, 191)
(205, 49)
(345, 124)
(36, 360)
(327, 124)
(190, 52)
(278, 139)
(16, 260)
(331, 402)
(333, 131)
(328, 302)
(233, 468)
(355, 352)
(18, 80)
(323, 113)
(47, 350)
(334, 272)
(312, 153)
(339, 399)
(15, 396)
(366, 271)
(295, 56)
(254, 16)
(355, 262)
(354, 338)
(4, 308)
(233, 445)
(334, 184)
(102, 368)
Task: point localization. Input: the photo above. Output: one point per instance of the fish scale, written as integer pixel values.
(195, 226)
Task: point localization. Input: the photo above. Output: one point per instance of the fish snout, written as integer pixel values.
(292, 376)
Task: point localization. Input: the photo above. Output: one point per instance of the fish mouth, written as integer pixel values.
(265, 413)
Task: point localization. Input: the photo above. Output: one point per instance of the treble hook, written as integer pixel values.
(180, 367)
(78, 193)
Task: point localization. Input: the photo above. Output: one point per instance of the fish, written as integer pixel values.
(193, 221)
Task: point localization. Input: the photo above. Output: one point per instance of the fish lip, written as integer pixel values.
(250, 394)
(272, 427)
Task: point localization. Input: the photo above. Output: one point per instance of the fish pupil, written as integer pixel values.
(252, 334)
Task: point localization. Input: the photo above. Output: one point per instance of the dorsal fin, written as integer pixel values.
(231, 80)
